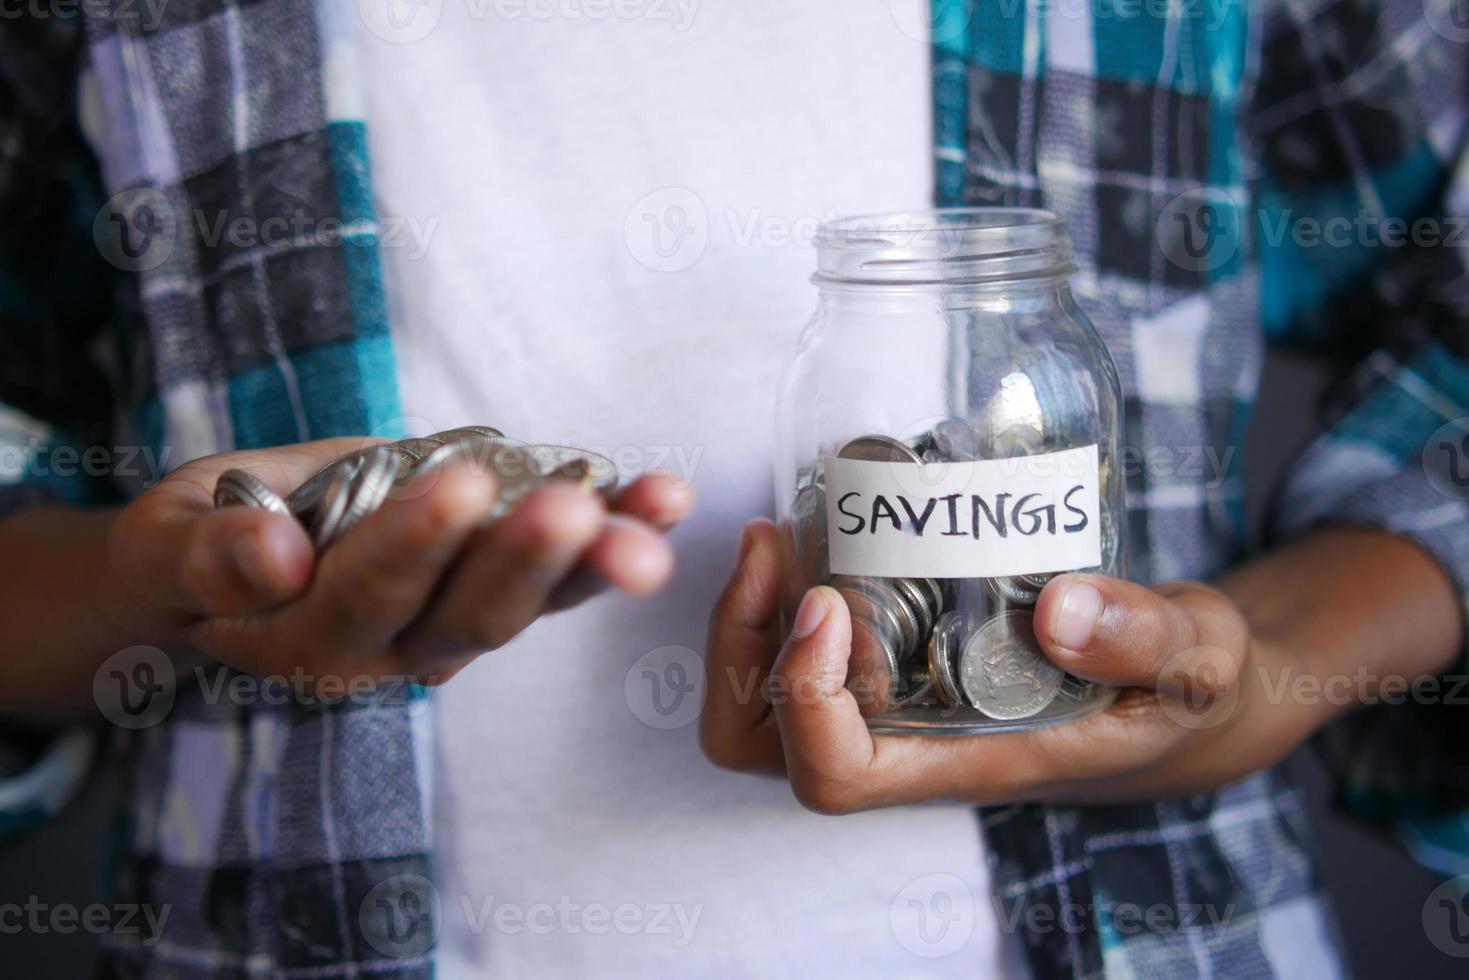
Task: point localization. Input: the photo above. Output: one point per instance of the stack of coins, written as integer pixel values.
(351, 487)
(917, 641)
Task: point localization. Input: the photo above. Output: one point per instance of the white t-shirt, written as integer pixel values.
(616, 200)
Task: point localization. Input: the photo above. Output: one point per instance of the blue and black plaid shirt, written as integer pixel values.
(1233, 175)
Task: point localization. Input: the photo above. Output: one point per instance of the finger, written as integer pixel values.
(283, 468)
(629, 555)
(1105, 629)
(828, 748)
(505, 576)
(660, 500)
(232, 562)
(378, 577)
(736, 728)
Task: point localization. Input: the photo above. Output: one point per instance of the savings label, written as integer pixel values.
(979, 519)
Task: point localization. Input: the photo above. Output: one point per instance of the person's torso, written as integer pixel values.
(616, 215)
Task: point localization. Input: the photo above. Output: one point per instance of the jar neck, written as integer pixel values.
(1038, 293)
(953, 248)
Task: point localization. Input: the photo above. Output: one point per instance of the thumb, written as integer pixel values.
(228, 562)
(821, 723)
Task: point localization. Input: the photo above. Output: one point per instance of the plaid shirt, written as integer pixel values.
(1173, 138)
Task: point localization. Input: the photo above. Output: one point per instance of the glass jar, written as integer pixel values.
(946, 443)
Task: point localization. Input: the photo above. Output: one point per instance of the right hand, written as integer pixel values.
(417, 590)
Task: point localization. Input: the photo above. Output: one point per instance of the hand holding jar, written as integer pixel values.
(949, 557)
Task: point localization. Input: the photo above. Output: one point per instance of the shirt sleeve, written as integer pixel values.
(55, 299)
(1363, 193)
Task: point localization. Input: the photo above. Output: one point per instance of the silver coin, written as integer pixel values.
(1075, 689)
(913, 594)
(1037, 580)
(482, 431)
(1013, 590)
(1017, 440)
(932, 590)
(368, 489)
(874, 670)
(478, 451)
(1002, 671)
(945, 639)
(419, 447)
(956, 441)
(879, 449)
(590, 470)
(243, 488)
(334, 499)
(304, 500)
(886, 594)
(808, 515)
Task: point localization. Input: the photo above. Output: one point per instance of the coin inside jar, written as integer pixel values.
(942, 643)
(874, 670)
(1013, 590)
(892, 600)
(1002, 671)
(879, 449)
(809, 515)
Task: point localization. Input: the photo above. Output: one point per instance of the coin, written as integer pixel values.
(1013, 590)
(874, 668)
(886, 595)
(1003, 673)
(419, 447)
(482, 431)
(334, 499)
(808, 513)
(592, 471)
(879, 449)
(1017, 440)
(917, 602)
(1037, 580)
(304, 500)
(367, 491)
(932, 591)
(942, 642)
(955, 441)
(241, 487)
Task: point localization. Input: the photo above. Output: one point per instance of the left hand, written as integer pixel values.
(1192, 714)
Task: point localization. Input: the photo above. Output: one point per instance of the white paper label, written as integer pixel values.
(964, 520)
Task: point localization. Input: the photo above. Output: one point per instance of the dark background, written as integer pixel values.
(1379, 894)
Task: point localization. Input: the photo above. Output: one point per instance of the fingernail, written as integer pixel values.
(1076, 615)
(810, 616)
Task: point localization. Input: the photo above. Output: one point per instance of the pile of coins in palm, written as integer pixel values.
(927, 642)
(351, 487)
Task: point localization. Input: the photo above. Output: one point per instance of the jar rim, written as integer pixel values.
(943, 245)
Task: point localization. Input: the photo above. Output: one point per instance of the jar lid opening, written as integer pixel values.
(947, 245)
